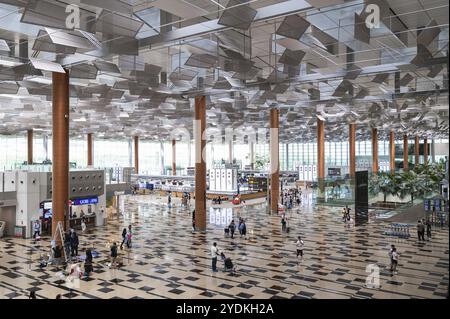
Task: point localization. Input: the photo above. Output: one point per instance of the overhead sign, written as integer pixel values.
(85, 201)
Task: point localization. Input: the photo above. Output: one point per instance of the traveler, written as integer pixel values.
(395, 256)
(283, 223)
(67, 244)
(243, 229)
(232, 228)
(390, 257)
(113, 249)
(214, 255)
(193, 225)
(32, 295)
(124, 237)
(74, 242)
(128, 242)
(428, 226)
(300, 244)
(420, 230)
(58, 296)
(37, 229)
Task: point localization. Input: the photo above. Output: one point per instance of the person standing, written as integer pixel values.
(428, 226)
(283, 223)
(244, 229)
(32, 295)
(232, 228)
(394, 257)
(390, 257)
(421, 230)
(214, 255)
(67, 244)
(299, 244)
(74, 242)
(113, 249)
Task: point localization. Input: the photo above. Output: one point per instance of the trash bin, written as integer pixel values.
(2, 228)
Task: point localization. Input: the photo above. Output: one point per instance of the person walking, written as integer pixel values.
(299, 244)
(113, 250)
(394, 257)
(214, 255)
(124, 237)
(36, 229)
(128, 241)
(283, 223)
(74, 242)
(232, 228)
(428, 226)
(32, 295)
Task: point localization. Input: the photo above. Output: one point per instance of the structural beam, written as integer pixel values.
(90, 161)
(352, 148)
(174, 157)
(136, 154)
(200, 164)
(60, 160)
(374, 150)
(274, 159)
(30, 147)
(391, 151)
(416, 150)
(405, 153)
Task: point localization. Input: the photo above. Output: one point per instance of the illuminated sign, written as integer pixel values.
(85, 201)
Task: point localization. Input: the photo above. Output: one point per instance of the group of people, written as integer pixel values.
(231, 228)
(422, 226)
(71, 243)
(291, 197)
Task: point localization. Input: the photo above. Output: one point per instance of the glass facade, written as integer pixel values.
(156, 158)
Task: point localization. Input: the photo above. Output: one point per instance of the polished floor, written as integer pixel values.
(168, 261)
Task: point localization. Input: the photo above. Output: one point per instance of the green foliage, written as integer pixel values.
(422, 180)
(261, 161)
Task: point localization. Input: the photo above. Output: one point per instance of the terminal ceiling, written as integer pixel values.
(135, 66)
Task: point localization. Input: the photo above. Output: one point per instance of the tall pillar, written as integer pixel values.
(433, 151)
(374, 150)
(136, 154)
(320, 153)
(174, 157)
(391, 151)
(425, 151)
(60, 141)
(89, 150)
(200, 164)
(352, 148)
(405, 153)
(230, 151)
(274, 159)
(416, 150)
(252, 155)
(30, 146)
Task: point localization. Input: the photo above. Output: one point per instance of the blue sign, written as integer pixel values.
(85, 201)
(426, 205)
(437, 205)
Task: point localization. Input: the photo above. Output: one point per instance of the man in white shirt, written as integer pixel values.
(214, 255)
(300, 245)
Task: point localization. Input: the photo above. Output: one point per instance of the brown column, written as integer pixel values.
(416, 150)
(60, 140)
(89, 149)
(136, 154)
(352, 148)
(425, 151)
(391, 151)
(30, 146)
(200, 164)
(405, 153)
(320, 152)
(274, 159)
(174, 157)
(374, 150)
